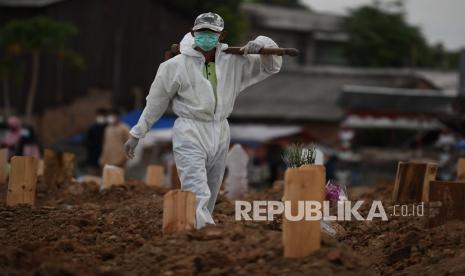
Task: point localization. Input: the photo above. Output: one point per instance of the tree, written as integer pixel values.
(10, 73)
(34, 37)
(380, 38)
(4, 76)
(6, 66)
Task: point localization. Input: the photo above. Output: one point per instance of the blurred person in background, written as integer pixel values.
(3, 127)
(94, 140)
(116, 133)
(202, 83)
(276, 163)
(331, 167)
(20, 140)
(259, 168)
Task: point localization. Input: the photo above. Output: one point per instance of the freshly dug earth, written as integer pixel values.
(404, 245)
(79, 230)
(82, 231)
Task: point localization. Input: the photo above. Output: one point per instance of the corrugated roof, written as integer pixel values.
(446, 80)
(28, 3)
(295, 19)
(388, 99)
(307, 94)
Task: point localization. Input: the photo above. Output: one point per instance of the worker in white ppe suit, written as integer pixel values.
(203, 83)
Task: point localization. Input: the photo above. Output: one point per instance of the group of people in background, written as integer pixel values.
(105, 139)
(18, 138)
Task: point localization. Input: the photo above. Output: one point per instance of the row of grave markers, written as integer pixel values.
(57, 170)
(415, 182)
(444, 200)
(300, 238)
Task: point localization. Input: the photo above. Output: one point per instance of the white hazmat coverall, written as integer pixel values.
(201, 131)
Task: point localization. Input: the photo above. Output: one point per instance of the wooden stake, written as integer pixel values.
(301, 238)
(58, 168)
(178, 211)
(3, 165)
(461, 169)
(175, 181)
(23, 181)
(155, 176)
(447, 202)
(112, 176)
(40, 168)
(412, 181)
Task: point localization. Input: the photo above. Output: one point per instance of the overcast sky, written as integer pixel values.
(440, 20)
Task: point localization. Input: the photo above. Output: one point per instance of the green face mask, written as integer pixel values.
(206, 40)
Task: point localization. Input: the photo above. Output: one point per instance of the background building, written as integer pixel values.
(320, 37)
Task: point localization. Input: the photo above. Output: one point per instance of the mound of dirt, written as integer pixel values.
(81, 230)
(405, 245)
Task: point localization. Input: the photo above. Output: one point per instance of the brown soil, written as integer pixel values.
(82, 231)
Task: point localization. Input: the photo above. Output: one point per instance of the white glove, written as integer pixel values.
(253, 47)
(130, 146)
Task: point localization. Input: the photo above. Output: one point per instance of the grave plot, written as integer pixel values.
(128, 226)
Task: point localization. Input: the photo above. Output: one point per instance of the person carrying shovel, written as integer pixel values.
(203, 83)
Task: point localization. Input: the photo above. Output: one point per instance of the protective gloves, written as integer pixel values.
(130, 146)
(253, 47)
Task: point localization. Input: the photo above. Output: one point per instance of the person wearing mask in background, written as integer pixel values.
(94, 140)
(20, 140)
(12, 137)
(116, 133)
(203, 83)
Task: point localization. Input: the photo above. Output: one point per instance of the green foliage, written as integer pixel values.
(235, 22)
(297, 155)
(38, 33)
(9, 69)
(72, 57)
(443, 59)
(378, 38)
(384, 39)
(32, 37)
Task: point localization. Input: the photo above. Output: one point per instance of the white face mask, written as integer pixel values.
(100, 120)
(111, 119)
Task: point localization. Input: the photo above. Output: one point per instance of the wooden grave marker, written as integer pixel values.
(461, 170)
(23, 181)
(447, 202)
(178, 211)
(3, 165)
(301, 238)
(58, 168)
(155, 176)
(40, 168)
(412, 181)
(112, 176)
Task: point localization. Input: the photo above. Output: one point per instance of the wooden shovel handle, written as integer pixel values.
(266, 51)
(237, 51)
